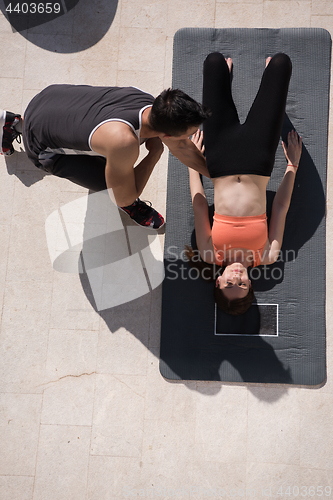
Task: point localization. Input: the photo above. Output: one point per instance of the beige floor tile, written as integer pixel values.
(121, 352)
(27, 96)
(2, 292)
(5, 27)
(230, 15)
(274, 426)
(166, 447)
(69, 400)
(286, 14)
(62, 193)
(93, 18)
(272, 479)
(64, 186)
(93, 72)
(155, 318)
(24, 333)
(31, 198)
(62, 462)
(162, 481)
(113, 477)
(53, 67)
(149, 81)
(241, 1)
(16, 487)
(105, 50)
(195, 15)
(316, 430)
(23, 349)
(150, 60)
(162, 203)
(4, 248)
(316, 478)
(158, 182)
(27, 298)
(70, 352)
(28, 261)
(143, 14)
(168, 401)
(321, 8)
(221, 424)
(7, 186)
(14, 55)
(151, 192)
(11, 94)
(117, 425)
(71, 308)
(168, 63)
(124, 335)
(215, 480)
(19, 430)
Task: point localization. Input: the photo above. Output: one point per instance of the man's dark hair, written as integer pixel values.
(173, 112)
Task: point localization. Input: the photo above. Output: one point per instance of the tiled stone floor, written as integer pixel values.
(84, 412)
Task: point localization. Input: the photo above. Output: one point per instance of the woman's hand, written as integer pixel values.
(293, 149)
(197, 139)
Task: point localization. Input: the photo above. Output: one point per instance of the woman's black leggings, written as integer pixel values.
(248, 148)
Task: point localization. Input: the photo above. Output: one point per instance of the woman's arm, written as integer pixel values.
(282, 198)
(203, 229)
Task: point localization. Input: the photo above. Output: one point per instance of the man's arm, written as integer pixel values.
(189, 154)
(121, 148)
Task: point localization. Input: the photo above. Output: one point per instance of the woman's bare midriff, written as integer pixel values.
(240, 195)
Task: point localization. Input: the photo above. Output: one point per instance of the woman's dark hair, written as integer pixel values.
(173, 112)
(210, 272)
(234, 307)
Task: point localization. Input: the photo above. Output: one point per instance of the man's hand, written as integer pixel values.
(189, 154)
(154, 145)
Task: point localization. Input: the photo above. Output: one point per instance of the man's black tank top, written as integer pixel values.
(62, 118)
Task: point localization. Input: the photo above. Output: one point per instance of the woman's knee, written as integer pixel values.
(281, 60)
(214, 59)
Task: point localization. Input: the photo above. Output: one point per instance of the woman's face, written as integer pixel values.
(234, 281)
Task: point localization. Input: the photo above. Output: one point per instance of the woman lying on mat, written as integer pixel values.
(240, 159)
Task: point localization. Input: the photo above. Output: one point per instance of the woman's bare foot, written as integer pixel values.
(229, 63)
(267, 61)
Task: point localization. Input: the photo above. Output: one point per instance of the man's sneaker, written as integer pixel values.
(8, 133)
(144, 215)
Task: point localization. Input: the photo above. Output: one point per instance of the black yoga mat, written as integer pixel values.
(281, 339)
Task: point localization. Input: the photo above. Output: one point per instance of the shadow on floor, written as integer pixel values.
(68, 26)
